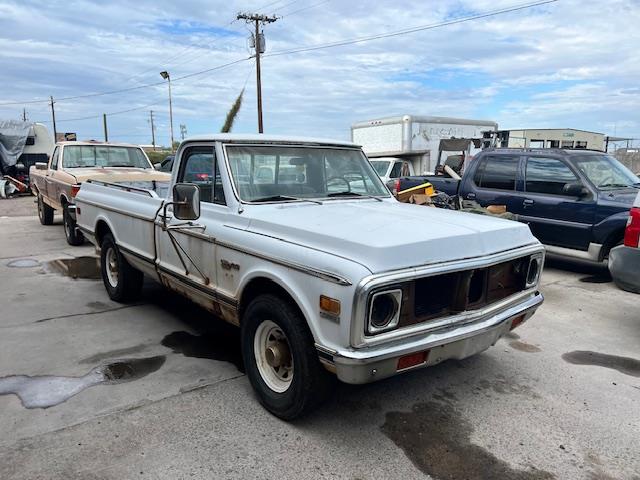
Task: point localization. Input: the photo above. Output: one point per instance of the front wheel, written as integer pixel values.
(122, 282)
(74, 236)
(45, 212)
(280, 358)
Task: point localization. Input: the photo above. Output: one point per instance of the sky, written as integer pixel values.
(567, 64)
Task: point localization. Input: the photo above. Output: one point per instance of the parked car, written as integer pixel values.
(308, 268)
(624, 260)
(576, 202)
(57, 182)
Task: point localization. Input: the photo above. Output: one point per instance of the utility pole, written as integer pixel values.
(183, 131)
(259, 44)
(153, 131)
(53, 115)
(104, 124)
(24, 114)
(165, 74)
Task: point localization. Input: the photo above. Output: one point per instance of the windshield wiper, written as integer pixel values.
(275, 198)
(613, 185)
(353, 194)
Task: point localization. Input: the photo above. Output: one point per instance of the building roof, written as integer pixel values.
(548, 129)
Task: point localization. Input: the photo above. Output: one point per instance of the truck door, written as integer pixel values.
(186, 254)
(494, 182)
(49, 179)
(554, 217)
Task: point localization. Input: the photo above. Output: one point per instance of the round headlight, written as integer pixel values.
(383, 310)
(534, 271)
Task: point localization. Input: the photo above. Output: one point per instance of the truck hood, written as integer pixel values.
(118, 174)
(387, 235)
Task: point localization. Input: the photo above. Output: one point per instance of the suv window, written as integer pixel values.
(498, 172)
(197, 167)
(547, 175)
(396, 170)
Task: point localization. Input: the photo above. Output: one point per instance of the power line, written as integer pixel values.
(305, 8)
(306, 49)
(122, 90)
(411, 30)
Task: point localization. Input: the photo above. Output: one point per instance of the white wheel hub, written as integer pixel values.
(273, 356)
(111, 265)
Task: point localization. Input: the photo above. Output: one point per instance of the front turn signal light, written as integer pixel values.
(329, 305)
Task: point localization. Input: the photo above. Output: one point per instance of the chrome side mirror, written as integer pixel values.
(41, 166)
(186, 201)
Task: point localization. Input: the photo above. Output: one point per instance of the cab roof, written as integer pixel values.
(267, 139)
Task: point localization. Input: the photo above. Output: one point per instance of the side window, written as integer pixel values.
(396, 170)
(54, 158)
(497, 172)
(197, 168)
(547, 175)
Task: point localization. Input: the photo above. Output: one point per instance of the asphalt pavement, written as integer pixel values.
(91, 389)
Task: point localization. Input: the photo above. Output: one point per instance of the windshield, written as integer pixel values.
(281, 173)
(605, 172)
(78, 156)
(380, 166)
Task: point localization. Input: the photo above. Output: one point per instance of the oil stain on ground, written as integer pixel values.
(524, 347)
(437, 440)
(79, 267)
(603, 278)
(208, 345)
(48, 390)
(627, 365)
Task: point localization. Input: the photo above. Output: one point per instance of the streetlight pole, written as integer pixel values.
(167, 77)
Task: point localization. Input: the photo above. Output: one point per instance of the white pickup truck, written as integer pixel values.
(299, 243)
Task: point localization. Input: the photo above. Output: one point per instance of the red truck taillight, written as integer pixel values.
(74, 190)
(632, 233)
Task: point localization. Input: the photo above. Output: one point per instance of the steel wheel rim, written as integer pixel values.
(111, 266)
(273, 356)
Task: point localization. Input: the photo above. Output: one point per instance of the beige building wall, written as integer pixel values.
(555, 138)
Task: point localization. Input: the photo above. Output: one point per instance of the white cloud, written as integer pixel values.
(569, 63)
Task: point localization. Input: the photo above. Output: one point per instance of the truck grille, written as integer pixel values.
(452, 293)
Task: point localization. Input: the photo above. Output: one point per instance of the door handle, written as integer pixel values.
(471, 195)
(528, 201)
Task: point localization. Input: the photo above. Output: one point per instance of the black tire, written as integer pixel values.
(125, 282)
(310, 383)
(73, 235)
(45, 212)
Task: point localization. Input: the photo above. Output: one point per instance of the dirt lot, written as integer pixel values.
(93, 389)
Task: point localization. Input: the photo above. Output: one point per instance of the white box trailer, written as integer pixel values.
(415, 138)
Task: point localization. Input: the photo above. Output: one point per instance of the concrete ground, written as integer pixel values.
(559, 398)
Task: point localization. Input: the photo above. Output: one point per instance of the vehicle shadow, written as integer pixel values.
(595, 273)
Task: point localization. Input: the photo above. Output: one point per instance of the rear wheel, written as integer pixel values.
(122, 282)
(45, 212)
(280, 358)
(74, 236)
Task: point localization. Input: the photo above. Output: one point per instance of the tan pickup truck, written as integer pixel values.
(57, 183)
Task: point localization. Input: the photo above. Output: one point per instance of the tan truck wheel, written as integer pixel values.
(45, 212)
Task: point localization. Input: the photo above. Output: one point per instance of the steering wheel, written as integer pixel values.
(341, 179)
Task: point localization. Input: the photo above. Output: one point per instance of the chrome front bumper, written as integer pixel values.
(456, 341)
